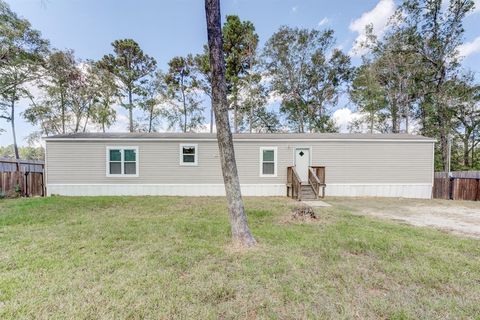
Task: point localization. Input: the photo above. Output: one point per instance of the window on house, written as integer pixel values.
(268, 161)
(188, 154)
(122, 161)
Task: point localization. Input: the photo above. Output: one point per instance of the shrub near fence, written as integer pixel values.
(461, 185)
(29, 181)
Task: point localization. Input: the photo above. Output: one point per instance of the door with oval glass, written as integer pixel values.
(302, 162)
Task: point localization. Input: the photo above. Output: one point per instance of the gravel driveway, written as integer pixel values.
(459, 217)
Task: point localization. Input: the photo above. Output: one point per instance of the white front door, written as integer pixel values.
(302, 162)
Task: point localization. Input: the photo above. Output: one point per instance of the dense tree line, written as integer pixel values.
(410, 80)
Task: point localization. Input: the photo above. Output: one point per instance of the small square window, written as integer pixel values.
(188, 154)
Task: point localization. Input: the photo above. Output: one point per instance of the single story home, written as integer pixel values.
(383, 165)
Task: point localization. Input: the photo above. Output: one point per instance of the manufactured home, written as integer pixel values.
(383, 165)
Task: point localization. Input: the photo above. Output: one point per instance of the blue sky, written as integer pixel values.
(165, 29)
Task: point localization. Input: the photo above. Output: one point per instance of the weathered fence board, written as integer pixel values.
(461, 185)
(465, 189)
(29, 181)
(20, 184)
(441, 188)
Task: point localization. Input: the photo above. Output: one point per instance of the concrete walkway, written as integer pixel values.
(316, 203)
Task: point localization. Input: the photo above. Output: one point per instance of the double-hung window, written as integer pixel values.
(268, 161)
(122, 161)
(188, 154)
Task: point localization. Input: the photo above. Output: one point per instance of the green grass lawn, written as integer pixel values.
(170, 257)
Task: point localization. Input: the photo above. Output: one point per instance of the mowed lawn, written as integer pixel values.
(171, 257)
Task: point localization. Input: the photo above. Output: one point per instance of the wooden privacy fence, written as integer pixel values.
(460, 185)
(29, 181)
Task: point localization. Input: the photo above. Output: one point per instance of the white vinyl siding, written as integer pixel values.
(122, 161)
(347, 162)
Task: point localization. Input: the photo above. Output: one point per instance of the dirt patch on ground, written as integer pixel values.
(460, 217)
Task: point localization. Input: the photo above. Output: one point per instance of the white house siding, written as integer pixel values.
(353, 168)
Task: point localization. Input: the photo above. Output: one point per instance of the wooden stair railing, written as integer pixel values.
(293, 183)
(316, 178)
(314, 181)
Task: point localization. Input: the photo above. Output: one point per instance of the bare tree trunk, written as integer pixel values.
(372, 118)
(150, 120)
(14, 134)
(466, 152)
(238, 220)
(473, 148)
(130, 109)
(407, 122)
(211, 119)
(444, 148)
(62, 102)
(182, 88)
(250, 120)
(86, 121)
(235, 114)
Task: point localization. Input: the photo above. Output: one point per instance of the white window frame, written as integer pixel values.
(194, 145)
(122, 162)
(275, 162)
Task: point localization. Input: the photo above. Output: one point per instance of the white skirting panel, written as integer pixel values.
(161, 189)
(417, 190)
(422, 191)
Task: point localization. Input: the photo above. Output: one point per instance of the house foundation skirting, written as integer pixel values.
(413, 190)
(416, 190)
(161, 189)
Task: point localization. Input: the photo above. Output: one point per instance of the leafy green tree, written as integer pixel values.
(150, 102)
(130, 65)
(239, 45)
(204, 77)
(308, 73)
(108, 95)
(83, 93)
(254, 115)
(397, 71)
(434, 32)
(466, 101)
(54, 112)
(367, 93)
(26, 153)
(22, 50)
(183, 106)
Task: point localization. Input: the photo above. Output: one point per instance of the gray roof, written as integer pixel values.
(240, 136)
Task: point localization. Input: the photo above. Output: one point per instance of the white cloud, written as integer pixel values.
(294, 9)
(469, 48)
(323, 22)
(377, 17)
(343, 117)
